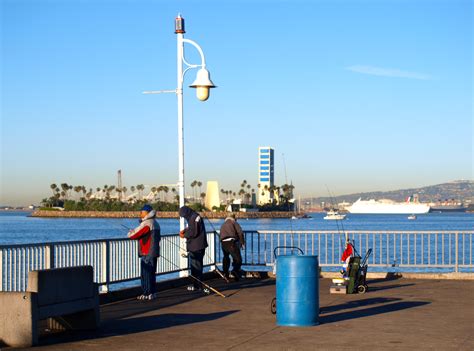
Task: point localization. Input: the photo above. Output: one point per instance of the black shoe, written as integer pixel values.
(235, 276)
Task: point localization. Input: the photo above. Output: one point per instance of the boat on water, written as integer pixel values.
(301, 216)
(385, 206)
(412, 216)
(334, 215)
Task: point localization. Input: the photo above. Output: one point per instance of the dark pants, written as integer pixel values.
(231, 248)
(196, 260)
(148, 270)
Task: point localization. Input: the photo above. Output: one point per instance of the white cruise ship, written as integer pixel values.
(386, 206)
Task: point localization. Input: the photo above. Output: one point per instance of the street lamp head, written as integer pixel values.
(202, 84)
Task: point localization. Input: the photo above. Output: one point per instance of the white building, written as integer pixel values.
(212, 195)
(265, 174)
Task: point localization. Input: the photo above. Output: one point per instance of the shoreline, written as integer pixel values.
(164, 214)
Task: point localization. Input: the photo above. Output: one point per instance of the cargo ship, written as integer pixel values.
(386, 206)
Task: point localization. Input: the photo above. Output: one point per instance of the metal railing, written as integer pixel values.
(392, 250)
(116, 261)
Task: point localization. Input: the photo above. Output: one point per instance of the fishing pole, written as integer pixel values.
(190, 275)
(337, 220)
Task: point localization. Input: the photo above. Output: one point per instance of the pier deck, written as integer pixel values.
(395, 314)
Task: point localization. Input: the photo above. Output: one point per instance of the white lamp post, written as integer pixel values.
(202, 84)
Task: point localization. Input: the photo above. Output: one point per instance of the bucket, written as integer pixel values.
(297, 291)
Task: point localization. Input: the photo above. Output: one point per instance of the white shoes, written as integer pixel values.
(148, 297)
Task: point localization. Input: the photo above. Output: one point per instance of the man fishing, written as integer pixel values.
(196, 243)
(232, 240)
(148, 234)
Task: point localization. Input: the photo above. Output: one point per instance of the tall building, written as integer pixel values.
(265, 174)
(212, 195)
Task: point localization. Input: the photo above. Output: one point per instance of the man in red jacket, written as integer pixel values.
(148, 234)
(346, 256)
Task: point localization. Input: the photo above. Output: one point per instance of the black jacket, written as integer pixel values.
(232, 229)
(195, 233)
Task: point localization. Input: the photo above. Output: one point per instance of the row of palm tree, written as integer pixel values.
(65, 191)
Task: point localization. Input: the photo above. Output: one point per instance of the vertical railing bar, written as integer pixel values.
(442, 248)
(450, 249)
(1, 270)
(457, 253)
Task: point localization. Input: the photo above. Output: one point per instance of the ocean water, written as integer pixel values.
(20, 228)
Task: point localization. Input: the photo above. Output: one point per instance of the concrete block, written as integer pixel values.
(62, 284)
(19, 318)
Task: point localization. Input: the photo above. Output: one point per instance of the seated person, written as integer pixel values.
(345, 258)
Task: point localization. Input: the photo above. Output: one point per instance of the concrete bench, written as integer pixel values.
(67, 297)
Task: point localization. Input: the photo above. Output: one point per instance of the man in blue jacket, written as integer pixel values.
(148, 234)
(196, 243)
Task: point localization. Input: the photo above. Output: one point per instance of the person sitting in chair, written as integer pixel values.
(345, 258)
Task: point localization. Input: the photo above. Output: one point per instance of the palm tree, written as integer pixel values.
(77, 189)
(166, 189)
(203, 196)
(64, 188)
(241, 193)
(53, 187)
(140, 188)
(199, 184)
(193, 184)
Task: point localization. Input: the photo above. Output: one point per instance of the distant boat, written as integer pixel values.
(334, 215)
(411, 216)
(301, 216)
(386, 206)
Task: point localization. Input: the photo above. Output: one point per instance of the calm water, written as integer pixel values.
(19, 228)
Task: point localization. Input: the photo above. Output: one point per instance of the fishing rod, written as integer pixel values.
(190, 275)
(337, 220)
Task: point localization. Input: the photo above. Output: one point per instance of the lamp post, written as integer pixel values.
(202, 84)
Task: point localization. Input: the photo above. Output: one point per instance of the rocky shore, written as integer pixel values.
(135, 214)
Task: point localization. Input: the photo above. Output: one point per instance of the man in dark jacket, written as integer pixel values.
(196, 243)
(232, 240)
(148, 234)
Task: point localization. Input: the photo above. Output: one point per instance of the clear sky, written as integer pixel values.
(357, 95)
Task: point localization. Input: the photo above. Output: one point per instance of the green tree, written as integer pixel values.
(53, 188)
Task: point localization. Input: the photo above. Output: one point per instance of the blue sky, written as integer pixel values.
(357, 95)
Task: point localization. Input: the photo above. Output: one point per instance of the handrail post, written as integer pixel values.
(456, 266)
(49, 257)
(1, 270)
(105, 266)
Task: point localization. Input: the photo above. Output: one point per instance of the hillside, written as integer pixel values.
(460, 190)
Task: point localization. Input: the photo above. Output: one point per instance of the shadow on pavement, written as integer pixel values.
(397, 306)
(357, 303)
(386, 287)
(133, 325)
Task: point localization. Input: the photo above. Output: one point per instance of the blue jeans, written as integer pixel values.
(148, 270)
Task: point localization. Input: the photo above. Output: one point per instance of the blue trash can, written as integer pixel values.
(297, 291)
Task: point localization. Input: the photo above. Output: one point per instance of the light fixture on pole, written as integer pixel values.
(202, 84)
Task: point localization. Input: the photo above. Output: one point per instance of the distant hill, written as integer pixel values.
(459, 190)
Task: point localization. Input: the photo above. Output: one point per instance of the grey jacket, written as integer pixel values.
(232, 229)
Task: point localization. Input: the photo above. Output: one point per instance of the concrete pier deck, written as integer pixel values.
(397, 314)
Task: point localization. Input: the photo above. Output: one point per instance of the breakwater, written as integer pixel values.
(167, 214)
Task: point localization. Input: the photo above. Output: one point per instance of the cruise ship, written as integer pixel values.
(386, 206)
